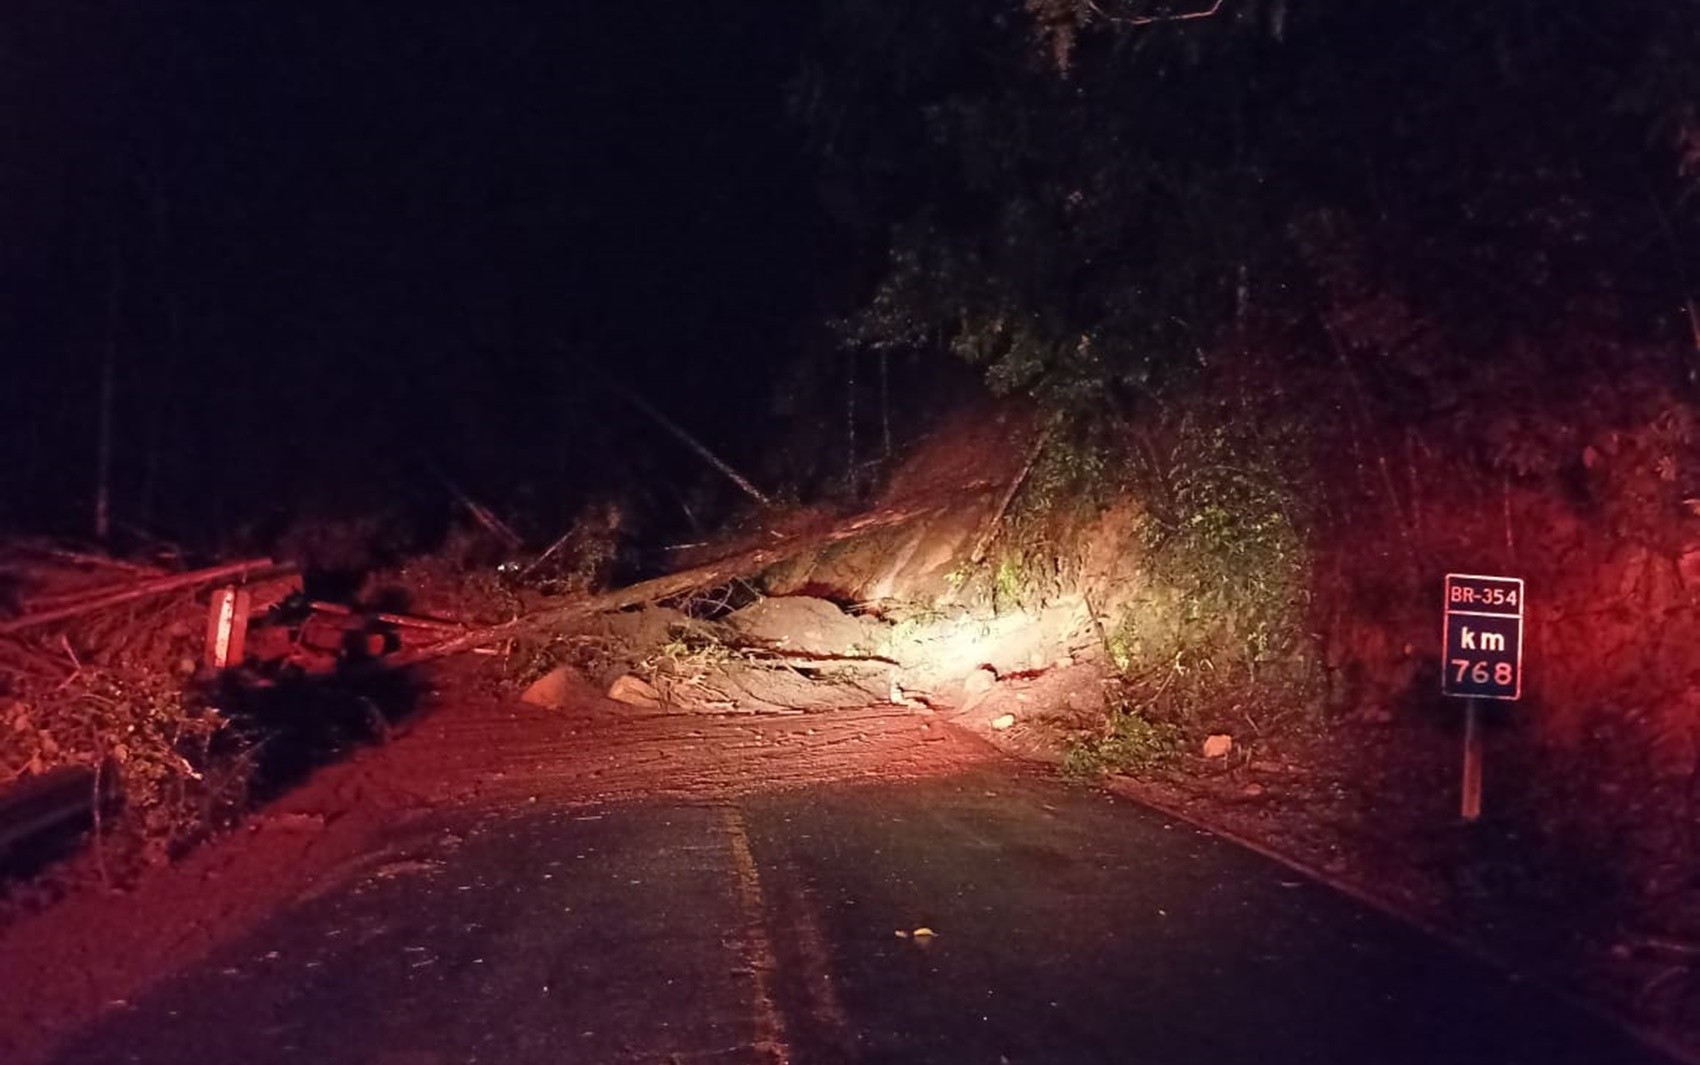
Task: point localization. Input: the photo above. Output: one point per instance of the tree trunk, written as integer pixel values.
(108, 386)
(850, 424)
(685, 438)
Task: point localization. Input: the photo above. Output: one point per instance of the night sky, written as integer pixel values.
(342, 252)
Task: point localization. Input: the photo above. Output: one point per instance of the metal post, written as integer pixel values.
(1472, 791)
(227, 627)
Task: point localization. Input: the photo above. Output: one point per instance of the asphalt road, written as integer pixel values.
(1069, 927)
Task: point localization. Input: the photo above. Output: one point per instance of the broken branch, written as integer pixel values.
(683, 437)
(1147, 20)
(145, 589)
(90, 560)
(742, 564)
(404, 621)
(486, 517)
(993, 523)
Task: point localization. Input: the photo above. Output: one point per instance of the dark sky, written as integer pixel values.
(334, 245)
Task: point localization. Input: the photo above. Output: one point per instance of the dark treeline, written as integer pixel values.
(1458, 194)
(338, 258)
(337, 253)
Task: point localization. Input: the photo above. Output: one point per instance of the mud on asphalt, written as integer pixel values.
(470, 750)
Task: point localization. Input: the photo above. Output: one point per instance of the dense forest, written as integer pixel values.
(1088, 199)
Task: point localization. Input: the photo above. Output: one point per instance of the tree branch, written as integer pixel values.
(1147, 20)
(239, 571)
(681, 435)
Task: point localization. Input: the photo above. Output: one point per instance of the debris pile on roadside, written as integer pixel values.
(179, 696)
(797, 654)
(97, 663)
(148, 701)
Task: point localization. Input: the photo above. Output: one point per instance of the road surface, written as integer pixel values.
(1068, 926)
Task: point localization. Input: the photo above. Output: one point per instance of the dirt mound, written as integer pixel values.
(805, 625)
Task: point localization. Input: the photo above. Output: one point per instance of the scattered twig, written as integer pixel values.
(1147, 20)
(76, 665)
(1659, 981)
(33, 661)
(1361, 400)
(1510, 538)
(1681, 948)
(1097, 624)
(788, 657)
(484, 516)
(1164, 687)
(95, 805)
(85, 558)
(549, 552)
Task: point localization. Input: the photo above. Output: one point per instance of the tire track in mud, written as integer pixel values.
(604, 758)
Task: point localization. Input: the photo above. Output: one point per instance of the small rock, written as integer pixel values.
(1252, 791)
(1003, 721)
(1688, 565)
(299, 821)
(979, 682)
(552, 690)
(1376, 715)
(1218, 746)
(634, 691)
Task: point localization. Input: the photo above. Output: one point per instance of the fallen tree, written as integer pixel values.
(260, 567)
(738, 565)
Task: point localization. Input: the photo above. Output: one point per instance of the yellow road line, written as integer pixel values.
(756, 947)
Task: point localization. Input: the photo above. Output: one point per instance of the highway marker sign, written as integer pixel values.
(1482, 639)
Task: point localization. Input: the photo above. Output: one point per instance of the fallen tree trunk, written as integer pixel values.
(698, 447)
(741, 564)
(486, 517)
(84, 558)
(144, 589)
(403, 621)
(995, 522)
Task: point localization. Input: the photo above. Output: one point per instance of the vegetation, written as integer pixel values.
(1389, 191)
(1129, 742)
(177, 761)
(1228, 493)
(1241, 257)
